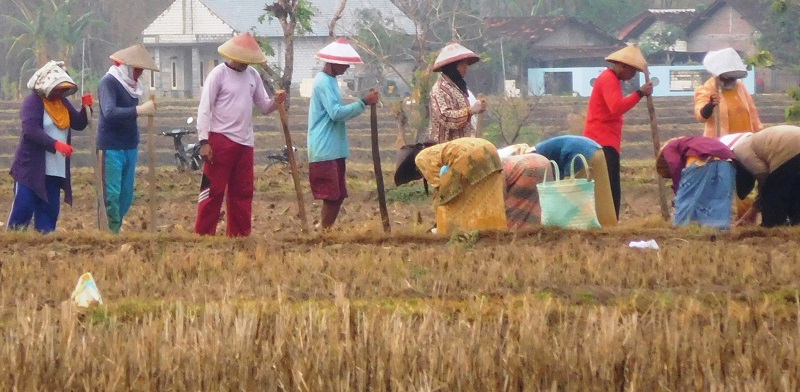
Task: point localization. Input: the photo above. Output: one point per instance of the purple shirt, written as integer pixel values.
(677, 151)
(28, 167)
(226, 104)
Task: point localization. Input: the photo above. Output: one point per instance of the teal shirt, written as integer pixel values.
(563, 148)
(327, 135)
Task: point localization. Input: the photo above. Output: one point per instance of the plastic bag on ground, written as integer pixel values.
(651, 244)
(86, 293)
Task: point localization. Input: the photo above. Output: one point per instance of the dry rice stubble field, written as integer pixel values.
(358, 310)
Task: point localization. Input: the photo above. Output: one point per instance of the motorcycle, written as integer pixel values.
(187, 156)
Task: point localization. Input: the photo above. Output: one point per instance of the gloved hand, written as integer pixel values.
(146, 109)
(478, 107)
(87, 100)
(64, 148)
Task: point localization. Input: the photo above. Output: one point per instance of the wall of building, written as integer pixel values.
(669, 81)
(726, 28)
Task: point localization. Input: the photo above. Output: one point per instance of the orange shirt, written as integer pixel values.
(738, 116)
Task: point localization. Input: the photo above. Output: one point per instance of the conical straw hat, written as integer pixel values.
(452, 53)
(339, 52)
(135, 56)
(243, 48)
(725, 61)
(630, 55)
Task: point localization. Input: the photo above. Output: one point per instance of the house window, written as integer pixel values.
(686, 80)
(558, 83)
(152, 79)
(202, 73)
(174, 75)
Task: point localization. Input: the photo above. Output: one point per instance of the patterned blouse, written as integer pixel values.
(449, 111)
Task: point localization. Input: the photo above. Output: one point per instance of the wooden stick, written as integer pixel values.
(718, 109)
(151, 166)
(376, 161)
(301, 205)
(662, 198)
(99, 183)
(480, 124)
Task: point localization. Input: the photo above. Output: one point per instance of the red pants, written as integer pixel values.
(231, 171)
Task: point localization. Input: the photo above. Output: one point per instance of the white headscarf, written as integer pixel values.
(47, 78)
(124, 74)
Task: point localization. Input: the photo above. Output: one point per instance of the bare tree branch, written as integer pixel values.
(336, 16)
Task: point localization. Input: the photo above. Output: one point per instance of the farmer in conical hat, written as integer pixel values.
(225, 131)
(451, 103)
(607, 105)
(119, 92)
(737, 110)
(327, 135)
(41, 163)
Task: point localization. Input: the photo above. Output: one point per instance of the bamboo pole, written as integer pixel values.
(301, 205)
(480, 120)
(97, 178)
(151, 166)
(662, 198)
(376, 160)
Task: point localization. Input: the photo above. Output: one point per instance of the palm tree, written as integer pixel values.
(35, 32)
(50, 25)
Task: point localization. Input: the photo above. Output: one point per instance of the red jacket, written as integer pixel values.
(606, 107)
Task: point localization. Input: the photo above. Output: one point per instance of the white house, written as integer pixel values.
(185, 37)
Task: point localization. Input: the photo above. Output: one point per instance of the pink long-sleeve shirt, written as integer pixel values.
(226, 104)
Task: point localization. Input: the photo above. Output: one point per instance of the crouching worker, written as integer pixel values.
(41, 163)
(562, 149)
(702, 174)
(467, 182)
(522, 173)
(771, 157)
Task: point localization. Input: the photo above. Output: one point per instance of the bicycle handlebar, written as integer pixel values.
(178, 132)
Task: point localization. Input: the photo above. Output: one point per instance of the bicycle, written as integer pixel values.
(282, 157)
(186, 155)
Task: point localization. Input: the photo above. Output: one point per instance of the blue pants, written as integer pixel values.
(705, 194)
(119, 168)
(28, 206)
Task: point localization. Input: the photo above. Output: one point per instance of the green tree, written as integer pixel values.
(660, 37)
(48, 30)
(608, 14)
(781, 37)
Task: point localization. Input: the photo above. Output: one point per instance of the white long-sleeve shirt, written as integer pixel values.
(226, 104)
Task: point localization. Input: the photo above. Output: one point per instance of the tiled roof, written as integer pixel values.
(640, 23)
(533, 28)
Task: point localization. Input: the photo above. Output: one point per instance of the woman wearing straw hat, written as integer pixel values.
(118, 131)
(41, 163)
(328, 147)
(225, 131)
(450, 109)
(607, 105)
(702, 178)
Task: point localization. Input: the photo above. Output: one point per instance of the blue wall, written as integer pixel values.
(672, 81)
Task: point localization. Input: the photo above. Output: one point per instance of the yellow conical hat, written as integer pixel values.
(244, 49)
(135, 56)
(630, 55)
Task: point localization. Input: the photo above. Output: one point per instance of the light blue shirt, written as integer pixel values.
(55, 164)
(327, 135)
